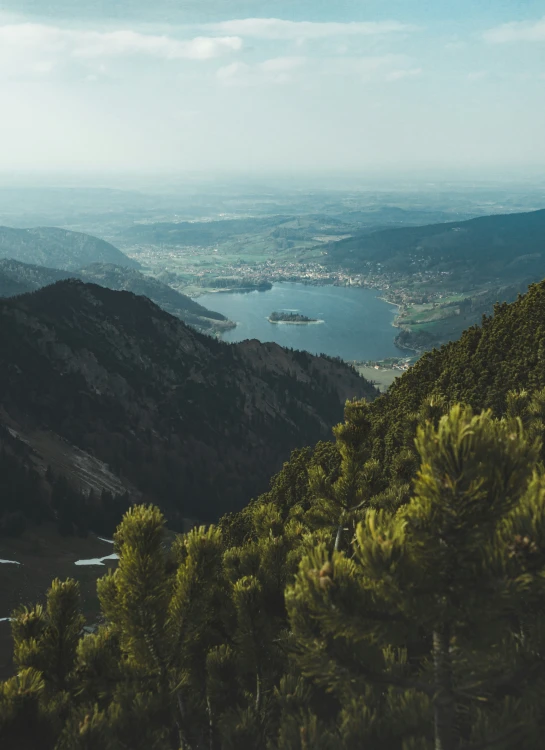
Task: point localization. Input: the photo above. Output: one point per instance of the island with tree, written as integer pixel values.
(291, 317)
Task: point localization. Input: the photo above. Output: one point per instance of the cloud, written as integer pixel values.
(371, 68)
(279, 29)
(121, 43)
(282, 64)
(228, 73)
(312, 70)
(30, 47)
(398, 75)
(275, 70)
(524, 31)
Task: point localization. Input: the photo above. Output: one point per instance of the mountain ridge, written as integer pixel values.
(20, 278)
(502, 241)
(59, 248)
(189, 422)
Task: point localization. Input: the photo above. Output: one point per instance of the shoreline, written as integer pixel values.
(316, 283)
(396, 304)
(295, 322)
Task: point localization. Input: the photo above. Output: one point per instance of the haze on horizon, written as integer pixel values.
(268, 86)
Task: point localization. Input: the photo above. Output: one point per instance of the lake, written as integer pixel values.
(357, 324)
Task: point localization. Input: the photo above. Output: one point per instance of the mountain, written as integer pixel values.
(506, 353)
(504, 247)
(10, 287)
(114, 394)
(59, 248)
(386, 592)
(444, 277)
(176, 303)
(18, 278)
(297, 228)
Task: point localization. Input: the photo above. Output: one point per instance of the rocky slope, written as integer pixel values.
(59, 248)
(18, 278)
(112, 392)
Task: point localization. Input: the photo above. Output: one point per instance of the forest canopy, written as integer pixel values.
(341, 618)
(385, 593)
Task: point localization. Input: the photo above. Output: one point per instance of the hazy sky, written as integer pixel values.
(271, 85)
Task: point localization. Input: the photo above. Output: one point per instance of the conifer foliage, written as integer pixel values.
(334, 614)
(427, 627)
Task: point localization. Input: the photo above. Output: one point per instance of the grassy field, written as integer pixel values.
(382, 378)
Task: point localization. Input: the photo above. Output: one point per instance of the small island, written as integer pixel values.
(290, 317)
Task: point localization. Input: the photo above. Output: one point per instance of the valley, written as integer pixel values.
(106, 400)
(103, 393)
(444, 274)
(272, 375)
(415, 246)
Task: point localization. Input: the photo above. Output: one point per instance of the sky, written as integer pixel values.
(271, 86)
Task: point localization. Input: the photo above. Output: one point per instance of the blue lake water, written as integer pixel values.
(357, 324)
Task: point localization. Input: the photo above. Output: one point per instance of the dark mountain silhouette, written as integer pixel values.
(115, 394)
(18, 278)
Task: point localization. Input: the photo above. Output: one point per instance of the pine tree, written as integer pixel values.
(422, 629)
(46, 639)
(161, 607)
(35, 703)
(336, 500)
(431, 621)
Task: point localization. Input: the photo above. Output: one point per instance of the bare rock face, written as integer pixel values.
(107, 383)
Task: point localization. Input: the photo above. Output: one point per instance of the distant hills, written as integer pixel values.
(59, 248)
(113, 394)
(446, 276)
(500, 247)
(19, 278)
(199, 232)
(277, 231)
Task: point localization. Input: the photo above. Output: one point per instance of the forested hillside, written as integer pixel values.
(18, 278)
(58, 248)
(386, 592)
(506, 353)
(115, 395)
(488, 248)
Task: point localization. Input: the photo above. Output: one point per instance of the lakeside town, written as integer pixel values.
(431, 306)
(191, 267)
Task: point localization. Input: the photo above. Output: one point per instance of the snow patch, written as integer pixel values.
(10, 562)
(97, 560)
(16, 435)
